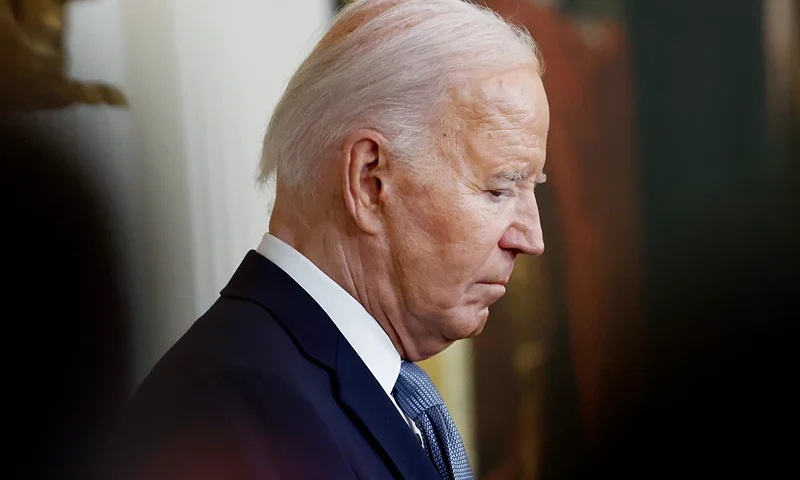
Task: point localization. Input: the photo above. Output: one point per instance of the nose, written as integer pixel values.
(524, 235)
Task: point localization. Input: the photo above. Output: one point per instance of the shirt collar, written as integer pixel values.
(361, 330)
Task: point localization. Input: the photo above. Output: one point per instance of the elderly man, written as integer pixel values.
(406, 149)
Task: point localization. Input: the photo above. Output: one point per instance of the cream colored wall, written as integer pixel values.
(216, 69)
(178, 167)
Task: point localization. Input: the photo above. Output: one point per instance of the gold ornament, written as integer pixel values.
(33, 60)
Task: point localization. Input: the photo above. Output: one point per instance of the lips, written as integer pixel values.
(496, 284)
(498, 281)
(494, 290)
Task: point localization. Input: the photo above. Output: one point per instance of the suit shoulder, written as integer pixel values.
(237, 346)
(267, 423)
(232, 334)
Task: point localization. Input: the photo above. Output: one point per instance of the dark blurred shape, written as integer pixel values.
(66, 356)
(64, 310)
(720, 250)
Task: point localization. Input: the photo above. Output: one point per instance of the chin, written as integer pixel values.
(470, 326)
(462, 327)
(479, 324)
(478, 329)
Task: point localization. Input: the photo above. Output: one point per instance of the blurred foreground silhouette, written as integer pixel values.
(67, 354)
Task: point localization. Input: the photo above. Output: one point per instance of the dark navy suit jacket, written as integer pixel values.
(264, 386)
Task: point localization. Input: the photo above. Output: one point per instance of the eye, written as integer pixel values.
(498, 194)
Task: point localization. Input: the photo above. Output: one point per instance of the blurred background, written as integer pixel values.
(653, 339)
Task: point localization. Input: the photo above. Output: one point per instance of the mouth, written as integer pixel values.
(495, 287)
(497, 283)
(501, 281)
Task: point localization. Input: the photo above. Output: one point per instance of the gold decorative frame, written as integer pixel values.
(33, 60)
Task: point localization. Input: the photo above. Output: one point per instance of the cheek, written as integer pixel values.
(450, 224)
(456, 238)
(441, 241)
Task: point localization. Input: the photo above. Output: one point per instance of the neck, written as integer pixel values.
(338, 249)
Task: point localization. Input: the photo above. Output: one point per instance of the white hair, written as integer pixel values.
(387, 65)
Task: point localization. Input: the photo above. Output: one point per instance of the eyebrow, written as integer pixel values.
(517, 175)
(512, 175)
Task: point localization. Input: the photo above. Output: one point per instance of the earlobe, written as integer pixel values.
(363, 168)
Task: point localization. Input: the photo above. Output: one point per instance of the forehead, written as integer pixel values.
(505, 119)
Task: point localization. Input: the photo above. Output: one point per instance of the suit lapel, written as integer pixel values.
(259, 280)
(372, 410)
(358, 392)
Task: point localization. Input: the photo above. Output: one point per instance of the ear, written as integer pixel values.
(365, 172)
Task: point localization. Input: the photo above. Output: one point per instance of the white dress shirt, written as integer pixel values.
(361, 330)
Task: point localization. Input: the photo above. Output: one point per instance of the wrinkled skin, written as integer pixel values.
(427, 253)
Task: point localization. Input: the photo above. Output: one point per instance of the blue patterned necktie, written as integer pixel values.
(418, 398)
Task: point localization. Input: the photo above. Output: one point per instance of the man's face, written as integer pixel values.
(453, 237)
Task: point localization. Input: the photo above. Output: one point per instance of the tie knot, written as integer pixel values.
(414, 391)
